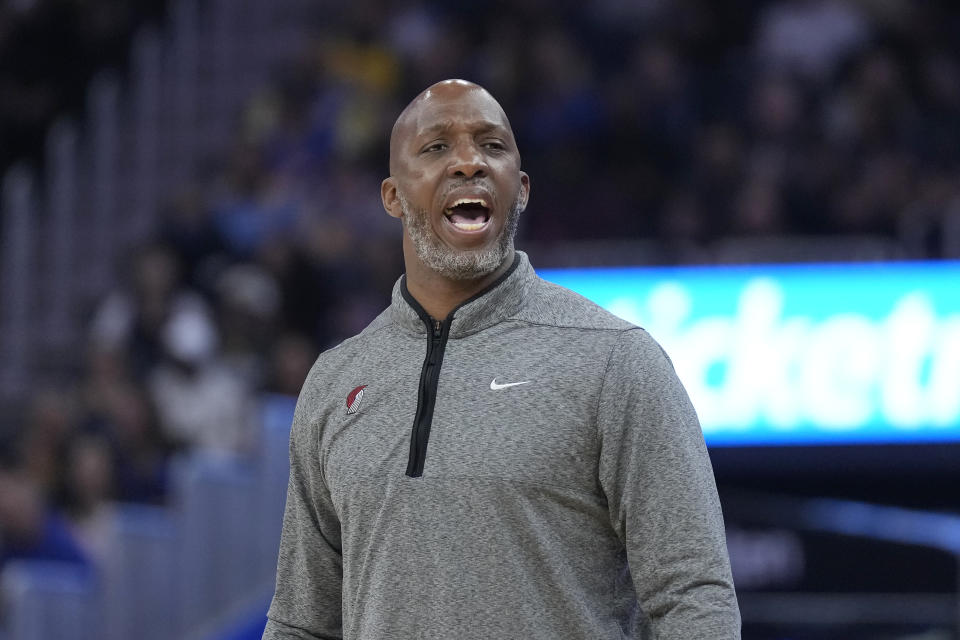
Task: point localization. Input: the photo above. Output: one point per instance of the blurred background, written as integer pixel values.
(189, 214)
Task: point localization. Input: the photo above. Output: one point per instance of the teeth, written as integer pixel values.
(457, 203)
(469, 226)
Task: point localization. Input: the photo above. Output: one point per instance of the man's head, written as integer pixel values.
(455, 181)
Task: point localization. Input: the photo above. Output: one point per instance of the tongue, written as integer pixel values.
(468, 215)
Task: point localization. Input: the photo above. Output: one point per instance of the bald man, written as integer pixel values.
(494, 456)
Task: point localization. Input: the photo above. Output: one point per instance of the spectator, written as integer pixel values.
(200, 402)
(50, 418)
(248, 314)
(139, 451)
(29, 527)
(87, 494)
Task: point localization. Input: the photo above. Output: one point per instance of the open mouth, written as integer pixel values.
(468, 214)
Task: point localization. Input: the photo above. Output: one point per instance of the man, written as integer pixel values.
(494, 456)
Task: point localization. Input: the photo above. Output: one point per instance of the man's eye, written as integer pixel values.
(436, 146)
(495, 144)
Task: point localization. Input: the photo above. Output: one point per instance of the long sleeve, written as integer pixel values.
(307, 604)
(662, 496)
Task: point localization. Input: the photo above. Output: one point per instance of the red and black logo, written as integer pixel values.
(354, 398)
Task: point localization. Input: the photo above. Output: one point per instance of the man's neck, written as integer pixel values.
(439, 295)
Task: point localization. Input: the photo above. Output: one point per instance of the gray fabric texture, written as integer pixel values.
(578, 505)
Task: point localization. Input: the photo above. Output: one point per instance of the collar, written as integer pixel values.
(501, 299)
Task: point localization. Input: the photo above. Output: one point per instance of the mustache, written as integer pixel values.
(460, 183)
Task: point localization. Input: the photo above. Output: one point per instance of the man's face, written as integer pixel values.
(456, 181)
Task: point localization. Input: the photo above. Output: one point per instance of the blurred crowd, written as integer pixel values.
(49, 50)
(681, 121)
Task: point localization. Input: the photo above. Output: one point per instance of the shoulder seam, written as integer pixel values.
(571, 326)
(359, 336)
(387, 325)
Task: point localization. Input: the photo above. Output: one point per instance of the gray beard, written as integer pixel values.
(453, 263)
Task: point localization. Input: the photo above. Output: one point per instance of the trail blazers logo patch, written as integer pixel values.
(354, 398)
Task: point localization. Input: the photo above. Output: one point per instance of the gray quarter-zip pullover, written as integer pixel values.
(531, 468)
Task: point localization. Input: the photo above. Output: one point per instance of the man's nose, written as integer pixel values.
(467, 162)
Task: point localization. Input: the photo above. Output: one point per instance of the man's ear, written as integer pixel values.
(389, 197)
(524, 189)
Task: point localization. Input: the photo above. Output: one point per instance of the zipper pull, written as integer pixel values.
(436, 328)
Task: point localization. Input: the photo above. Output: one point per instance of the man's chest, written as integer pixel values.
(515, 409)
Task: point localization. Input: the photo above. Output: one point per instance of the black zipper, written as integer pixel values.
(427, 397)
(437, 334)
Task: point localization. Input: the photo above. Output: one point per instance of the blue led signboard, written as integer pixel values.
(801, 354)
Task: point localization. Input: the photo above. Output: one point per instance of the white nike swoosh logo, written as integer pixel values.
(494, 386)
